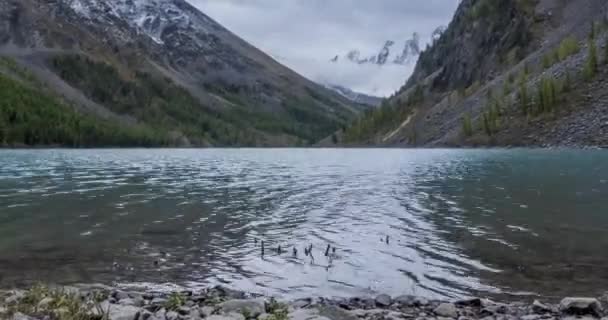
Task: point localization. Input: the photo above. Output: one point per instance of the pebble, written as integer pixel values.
(199, 305)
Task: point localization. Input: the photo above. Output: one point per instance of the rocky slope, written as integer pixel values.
(106, 303)
(507, 73)
(161, 66)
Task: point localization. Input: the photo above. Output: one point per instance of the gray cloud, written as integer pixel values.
(305, 34)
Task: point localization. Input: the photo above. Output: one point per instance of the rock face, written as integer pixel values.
(491, 55)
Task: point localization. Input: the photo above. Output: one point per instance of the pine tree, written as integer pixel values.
(591, 65)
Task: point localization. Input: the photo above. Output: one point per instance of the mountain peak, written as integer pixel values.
(409, 54)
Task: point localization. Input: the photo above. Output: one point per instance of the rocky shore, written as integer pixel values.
(99, 302)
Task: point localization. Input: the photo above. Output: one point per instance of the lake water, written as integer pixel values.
(459, 222)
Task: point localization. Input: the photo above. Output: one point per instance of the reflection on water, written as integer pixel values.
(459, 221)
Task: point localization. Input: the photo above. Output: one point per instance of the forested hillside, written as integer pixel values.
(184, 81)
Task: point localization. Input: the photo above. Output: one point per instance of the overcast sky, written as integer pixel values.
(305, 34)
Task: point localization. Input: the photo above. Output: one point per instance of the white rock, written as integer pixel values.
(254, 307)
(446, 310)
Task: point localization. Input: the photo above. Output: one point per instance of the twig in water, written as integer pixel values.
(262, 248)
(327, 250)
(386, 239)
(295, 252)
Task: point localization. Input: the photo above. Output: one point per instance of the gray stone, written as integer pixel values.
(254, 307)
(383, 300)
(393, 315)
(530, 317)
(195, 314)
(444, 318)
(334, 313)
(44, 303)
(145, 315)
(580, 306)
(446, 310)
(158, 301)
(236, 316)
(229, 316)
(171, 315)
(539, 307)
(263, 316)
(183, 310)
(421, 301)
(14, 297)
(160, 313)
(119, 295)
(132, 302)
(190, 303)
(206, 311)
(120, 312)
(404, 300)
(21, 316)
(307, 314)
(301, 303)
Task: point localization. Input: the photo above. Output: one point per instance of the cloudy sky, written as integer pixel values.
(306, 34)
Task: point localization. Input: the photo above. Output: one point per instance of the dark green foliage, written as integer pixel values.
(160, 103)
(567, 47)
(524, 98)
(592, 31)
(591, 64)
(467, 127)
(29, 117)
(547, 95)
(387, 116)
(606, 53)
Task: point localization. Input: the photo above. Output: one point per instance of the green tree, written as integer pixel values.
(467, 127)
(591, 64)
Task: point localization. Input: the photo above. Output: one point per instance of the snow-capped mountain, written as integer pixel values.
(151, 17)
(388, 54)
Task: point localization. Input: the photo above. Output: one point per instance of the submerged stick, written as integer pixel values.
(262, 248)
(327, 250)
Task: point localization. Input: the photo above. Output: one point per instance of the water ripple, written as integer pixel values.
(458, 222)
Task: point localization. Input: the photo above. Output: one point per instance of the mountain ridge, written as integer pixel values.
(236, 94)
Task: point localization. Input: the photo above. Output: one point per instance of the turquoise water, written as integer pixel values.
(459, 222)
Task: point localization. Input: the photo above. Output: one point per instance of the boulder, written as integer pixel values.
(122, 312)
(171, 315)
(383, 300)
(580, 306)
(446, 310)
(119, 295)
(137, 302)
(540, 308)
(206, 311)
(307, 314)
(404, 300)
(44, 303)
(21, 316)
(254, 307)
